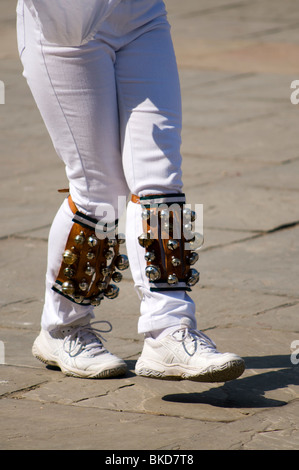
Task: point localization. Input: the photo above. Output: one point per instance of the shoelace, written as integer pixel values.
(86, 338)
(203, 339)
(198, 338)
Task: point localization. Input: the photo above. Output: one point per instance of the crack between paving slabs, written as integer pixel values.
(103, 394)
(256, 234)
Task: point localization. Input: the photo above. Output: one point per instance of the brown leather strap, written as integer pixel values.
(135, 199)
(72, 205)
(63, 190)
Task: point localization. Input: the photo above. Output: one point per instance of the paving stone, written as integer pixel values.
(261, 264)
(237, 61)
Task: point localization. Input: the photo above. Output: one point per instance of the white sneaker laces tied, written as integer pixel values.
(197, 339)
(86, 338)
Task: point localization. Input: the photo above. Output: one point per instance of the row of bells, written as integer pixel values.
(188, 214)
(154, 274)
(195, 241)
(69, 289)
(167, 220)
(70, 257)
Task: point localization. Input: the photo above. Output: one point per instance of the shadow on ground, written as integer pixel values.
(247, 391)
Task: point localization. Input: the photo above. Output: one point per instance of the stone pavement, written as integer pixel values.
(237, 60)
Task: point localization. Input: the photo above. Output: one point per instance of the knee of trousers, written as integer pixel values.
(91, 261)
(169, 242)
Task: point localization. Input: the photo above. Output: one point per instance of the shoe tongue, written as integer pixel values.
(82, 321)
(187, 329)
(91, 342)
(84, 339)
(181, 332)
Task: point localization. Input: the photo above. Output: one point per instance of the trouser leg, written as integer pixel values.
(150, 115)
(57, 308)
(74, 88)
(158, 310)
(83, 93)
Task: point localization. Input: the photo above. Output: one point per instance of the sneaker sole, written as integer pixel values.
(119, 369)
(231, 370)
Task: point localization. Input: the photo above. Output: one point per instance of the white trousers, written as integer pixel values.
(105, 80)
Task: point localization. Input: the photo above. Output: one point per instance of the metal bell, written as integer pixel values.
(193, 257)
(117, 277)
(89, 270)
(80, 239)
(188, 235)
(69, 272)
(166, 225)
(112, 242)
(172, 279)
(172, 244)
(95, 301)
(101, 285)
(92, 240)
(68, 288)
(90, 255)
(109, 254)
(145, 240)
(69, 257)
(197, 241)
(189, 214)
(193, 216)
(112, 291)
(175, 261)
(153, 272)
(121, 239)
(83, 285)
(187, 227)
(122, 262)
(78, 298)
(145, 214)
(149, 256)
(105, 271)
(164, 214)
(193, 277)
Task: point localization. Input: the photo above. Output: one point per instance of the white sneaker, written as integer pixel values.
(78, 351)
(187, 354)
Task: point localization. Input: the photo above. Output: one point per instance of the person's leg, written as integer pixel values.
(74, 89)
(150, 115)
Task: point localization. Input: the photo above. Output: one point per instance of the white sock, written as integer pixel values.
(159, 334)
